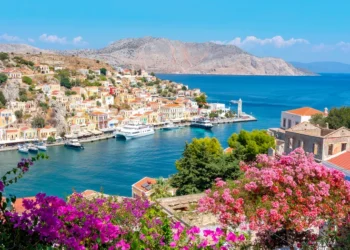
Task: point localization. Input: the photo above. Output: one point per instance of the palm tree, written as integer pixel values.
(161, 189)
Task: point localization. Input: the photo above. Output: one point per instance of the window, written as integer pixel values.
(296, 123)
(330, 149)
(284, 122)
(343, 146)
(289, 123)
(315, 149)
(300, 144)
(291, 143)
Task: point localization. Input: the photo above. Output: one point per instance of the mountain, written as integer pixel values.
(162, 55)
(323, 67)
(21, 49)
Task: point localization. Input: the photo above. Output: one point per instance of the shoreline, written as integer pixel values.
(109, 136)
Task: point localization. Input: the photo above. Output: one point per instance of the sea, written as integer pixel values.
(112, 166)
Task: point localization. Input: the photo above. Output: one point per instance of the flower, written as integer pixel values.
(2, 186)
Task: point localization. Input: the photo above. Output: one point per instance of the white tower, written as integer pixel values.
(239, 108)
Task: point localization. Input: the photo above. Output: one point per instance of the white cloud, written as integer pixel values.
(31, 40)
(9, 38)
(344, 46)
(277, 41)
(322, 47)
(53, 39)
(79, 41)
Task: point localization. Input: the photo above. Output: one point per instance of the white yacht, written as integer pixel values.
(170, 126)
(131, 131)
(42, 146)
(23, 149)
(32, 148)
(201, 123)
(74, 143)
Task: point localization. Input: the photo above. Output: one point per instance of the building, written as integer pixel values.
(174, 112)
(293, 117)
(46, 132)
(322, 142)
(7, 117)
(28, 133)
(12, 73)
(99, 118)
(44, 69)
(340, 162)
(12, 134)
(143, 187)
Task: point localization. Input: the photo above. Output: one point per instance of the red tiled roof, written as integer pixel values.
(228, 150)
(144, 181)
(342, 161)
(11, 130)
(98, 113)
(305, 111)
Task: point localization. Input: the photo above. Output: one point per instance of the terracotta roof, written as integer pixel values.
(228, 150)
(11, 130)
(18, 205)
(98, 113)
(342, 161)
(172, 106)
(145, 180)
(305, 111)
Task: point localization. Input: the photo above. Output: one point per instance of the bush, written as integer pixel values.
(51, 140)
(3, 78)
(38, 122)
(4, 56)
(27, 80)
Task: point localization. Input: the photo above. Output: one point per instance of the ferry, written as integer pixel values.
(131, 131)
(73, 143)
(201, 123)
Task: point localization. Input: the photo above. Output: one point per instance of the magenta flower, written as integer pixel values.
(2, 186)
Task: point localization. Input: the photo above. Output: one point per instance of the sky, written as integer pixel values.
(295, 30)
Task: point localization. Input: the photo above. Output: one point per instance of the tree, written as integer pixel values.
(27, 80)
(201, 100)
(184, 88)
(23, 95)
(282, 199)
(203, 161)
(65, 82)
(103, 71)
(51, 140)
(3, 78)
(98, 104)
(338, 117)
(152, 74)
(38, 122)
(2, 99)
(250, 144)
(4, 56)
(318, 119)
(19, 114)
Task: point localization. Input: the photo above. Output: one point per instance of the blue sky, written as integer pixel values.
(298, 30)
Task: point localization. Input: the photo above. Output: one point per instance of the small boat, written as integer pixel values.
(74, 143)
(32, 148)
(42, 147)
(23, 149)
(201, 123)
(170, 126)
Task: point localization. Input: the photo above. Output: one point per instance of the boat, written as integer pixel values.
(73, 143)
(131, 131)
(23, 149)
(32, 148)
(201, 123)
(170, 126)
(42, 147)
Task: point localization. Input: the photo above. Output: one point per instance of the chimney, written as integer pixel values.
(326, 111)
(327, 125)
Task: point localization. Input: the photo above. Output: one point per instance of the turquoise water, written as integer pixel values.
(114, 165)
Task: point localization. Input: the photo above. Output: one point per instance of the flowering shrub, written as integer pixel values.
(100, 223)
(285, 197)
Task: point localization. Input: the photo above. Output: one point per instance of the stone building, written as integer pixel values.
(322, 142)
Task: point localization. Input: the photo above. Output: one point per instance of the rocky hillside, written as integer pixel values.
(168, 56)
(21, 49)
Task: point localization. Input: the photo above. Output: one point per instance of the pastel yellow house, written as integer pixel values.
(28, 133)
(46, 132)
(12, 134)
(6, 117)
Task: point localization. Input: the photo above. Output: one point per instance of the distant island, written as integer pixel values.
(162, 55)
(324, 67)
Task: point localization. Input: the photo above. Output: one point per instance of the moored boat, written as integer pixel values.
(73, 143)
(132, 131)
(42, 147)
(201, 123)
(170, 126)
(32, 148)
(23, 149)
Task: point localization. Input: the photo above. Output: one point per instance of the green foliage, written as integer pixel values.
(339, 117)
(63, 76)
(23, 95)
(318, 119)
(161, 189)
(19, 114)
(103, 71)
(3, 78)
(27, 80)
(213, 114)
(44, 106)
(20, 60)
(2, 99)
(70, 92)
(230, 114)
(103, 78)
(51, 140)
(203, 161)
(250, 144)
(98, 104)
(152, 74)
(201, 100)
(184, 88)
(4, 56)
(65, 82)
(38, 122)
